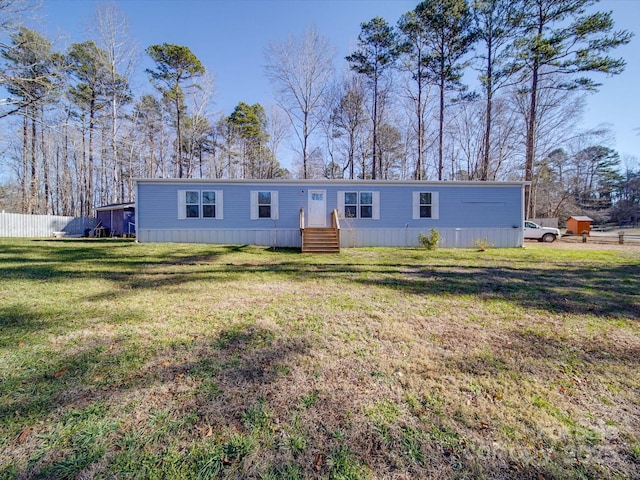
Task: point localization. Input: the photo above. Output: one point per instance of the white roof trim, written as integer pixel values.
(337, 182)
(117, 206)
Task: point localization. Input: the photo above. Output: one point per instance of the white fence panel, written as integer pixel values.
(38, 226)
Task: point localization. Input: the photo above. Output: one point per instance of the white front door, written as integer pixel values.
(317, 208)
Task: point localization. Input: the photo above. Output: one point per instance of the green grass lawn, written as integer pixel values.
(125, 360)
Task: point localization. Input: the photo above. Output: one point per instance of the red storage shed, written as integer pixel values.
(577, 225)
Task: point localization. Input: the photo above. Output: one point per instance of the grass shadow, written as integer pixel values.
(218, 380)
(605, 291)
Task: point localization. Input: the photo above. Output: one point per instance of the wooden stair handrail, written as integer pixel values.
(301, 219)
(335, 223)
(335, 220)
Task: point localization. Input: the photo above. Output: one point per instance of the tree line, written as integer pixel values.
(398, 107)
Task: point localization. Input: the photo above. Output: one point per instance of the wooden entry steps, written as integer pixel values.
(321, 240)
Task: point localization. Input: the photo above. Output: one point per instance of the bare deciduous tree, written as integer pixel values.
(199, 103)
(120, 53)
(348, 120)
(301, 70)
(277, 128)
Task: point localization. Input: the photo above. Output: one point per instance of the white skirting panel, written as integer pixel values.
(278, 238)
(449, 237)
(404, 237)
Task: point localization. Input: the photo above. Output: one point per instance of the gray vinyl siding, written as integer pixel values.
(465, 210)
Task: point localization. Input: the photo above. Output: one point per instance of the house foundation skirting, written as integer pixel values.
(362, 237)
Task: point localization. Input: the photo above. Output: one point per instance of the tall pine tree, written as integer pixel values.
(176, 69)
(449, 36)
(562, 45)
(376, 54)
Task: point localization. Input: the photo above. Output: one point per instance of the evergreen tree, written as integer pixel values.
(562, 45)
(249, 124)
(376, 55)
(627, 209)
(449, 35)
(32, 76)
(596, 176)
(176, 68)
(497, 25)
(89, 94)
(415, 49)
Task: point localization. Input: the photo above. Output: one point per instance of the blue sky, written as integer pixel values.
(229, 37)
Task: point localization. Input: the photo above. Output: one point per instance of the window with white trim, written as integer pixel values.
(208, 204)
(425, 205)
(350, 204)
(193, 203)
(199, 204)
(264, 204)
(364, 204)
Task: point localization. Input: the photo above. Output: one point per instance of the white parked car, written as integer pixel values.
(542, 234)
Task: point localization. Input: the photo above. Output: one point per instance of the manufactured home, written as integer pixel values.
(285, 213)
